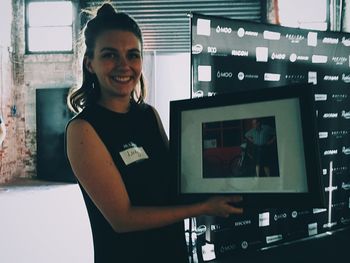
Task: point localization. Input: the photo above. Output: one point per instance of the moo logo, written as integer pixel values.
(226, 30)
(226, 74)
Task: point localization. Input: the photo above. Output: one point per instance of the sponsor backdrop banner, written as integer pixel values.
(230, 55)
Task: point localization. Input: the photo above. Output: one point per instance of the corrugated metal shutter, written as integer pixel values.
(165, 24)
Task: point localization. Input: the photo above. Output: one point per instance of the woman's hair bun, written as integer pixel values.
(106, 10)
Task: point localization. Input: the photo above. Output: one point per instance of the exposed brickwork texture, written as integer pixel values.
(12, 149)
(21, 75)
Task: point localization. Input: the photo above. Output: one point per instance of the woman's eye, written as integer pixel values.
(134, 56)
(108, 55)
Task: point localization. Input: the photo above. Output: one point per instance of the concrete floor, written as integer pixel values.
(43, 222)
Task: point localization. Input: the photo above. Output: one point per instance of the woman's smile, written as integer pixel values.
(122, 79)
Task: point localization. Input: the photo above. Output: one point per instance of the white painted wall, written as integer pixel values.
(172, 82)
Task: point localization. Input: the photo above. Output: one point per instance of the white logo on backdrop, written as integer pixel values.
(212, 50)
(241, 32)
(244, 244)
(345, 115)
(345, 41)
(320, 97)
(340, 134)
(243, 223)
(208, 252)
(271, 35)
(330, 40)
(312, 39)
(312, 75)
(278, 56)
(240, 75)
(280, 216)
(226, 30)
(339, 60)
(295, 38)
(294, 57)
(323, 135)
(224, 74)
(262, 54)
(240, 53)
(319, 59)
(203, 27)
(330, 152)
(204, 73)
(345, 150)
(339, 97)
(330, 115)
(312, 229)
(198, 94)
(264, 219)
(272, 77)
(331, 78)
(345, 78)
(197, 49)
(273, 238)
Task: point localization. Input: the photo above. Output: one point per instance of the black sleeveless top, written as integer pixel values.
(148, 180)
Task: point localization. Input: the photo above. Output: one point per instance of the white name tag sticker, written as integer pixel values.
(133, 154)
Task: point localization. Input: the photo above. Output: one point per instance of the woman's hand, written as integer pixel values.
(223, 206)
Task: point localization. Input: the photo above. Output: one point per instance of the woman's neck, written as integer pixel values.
(120, 105)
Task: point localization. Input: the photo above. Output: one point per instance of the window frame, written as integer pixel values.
(73, 27)
(302, 24)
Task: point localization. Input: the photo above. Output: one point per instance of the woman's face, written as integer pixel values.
(117, 63)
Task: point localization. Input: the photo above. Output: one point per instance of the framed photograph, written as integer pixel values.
(261, 144)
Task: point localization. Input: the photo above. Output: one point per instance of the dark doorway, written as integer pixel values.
(52, 116)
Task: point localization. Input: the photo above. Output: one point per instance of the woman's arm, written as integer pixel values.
(95, 170)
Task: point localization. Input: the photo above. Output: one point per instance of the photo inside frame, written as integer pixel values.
(213, 141)
(240, 148)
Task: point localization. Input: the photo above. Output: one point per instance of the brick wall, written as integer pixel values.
(21, 75)
(11, 164)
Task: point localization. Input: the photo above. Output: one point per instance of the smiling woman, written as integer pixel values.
(118, 150)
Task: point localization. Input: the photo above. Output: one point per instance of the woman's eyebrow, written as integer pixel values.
(108, 49)
(135, 50)
(116, 50)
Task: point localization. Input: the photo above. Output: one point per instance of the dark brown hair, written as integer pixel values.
(106, 19)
